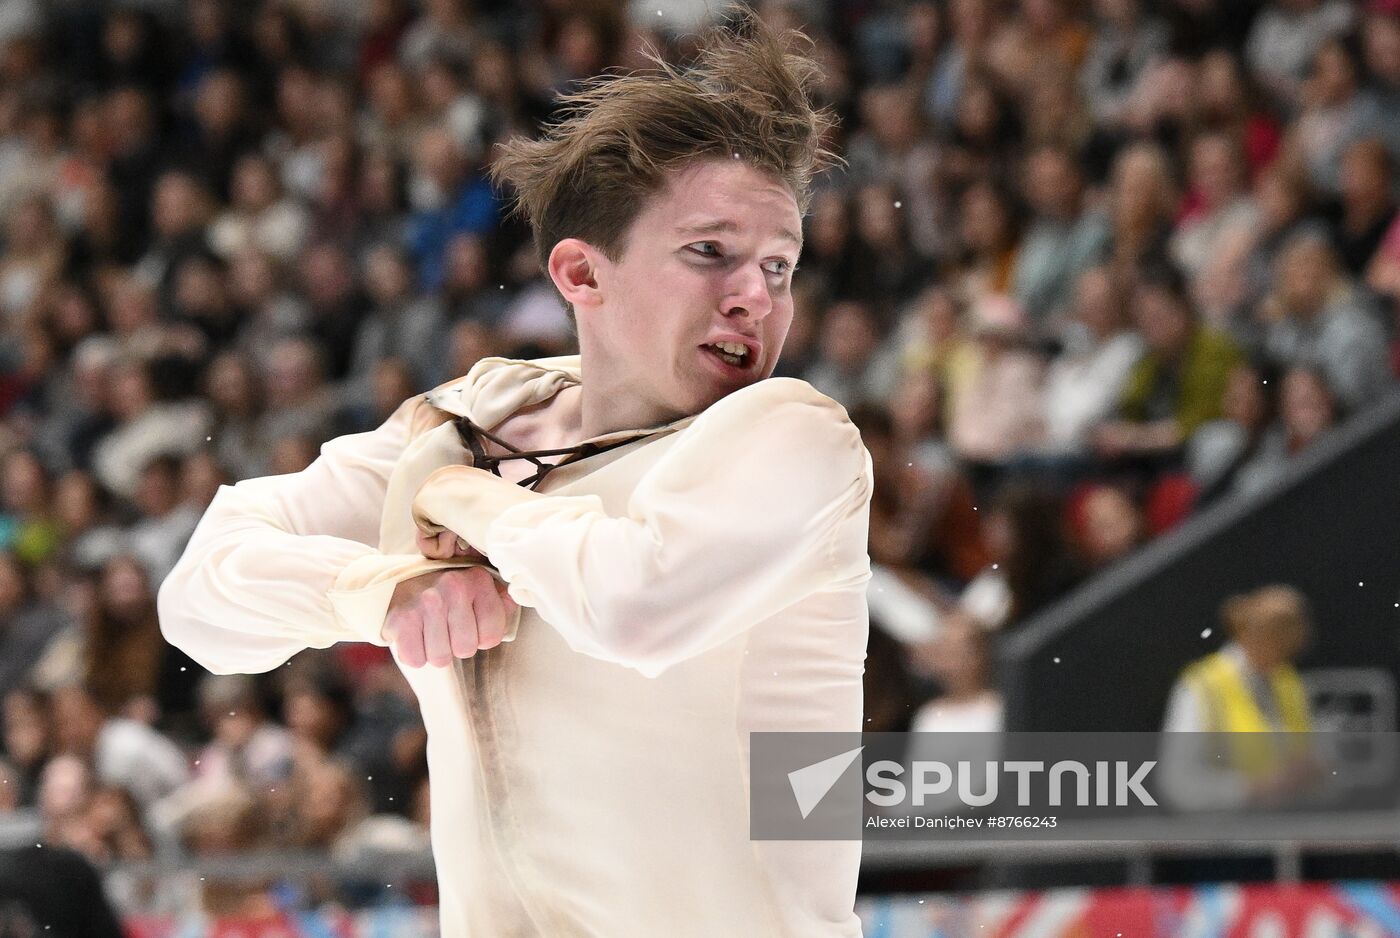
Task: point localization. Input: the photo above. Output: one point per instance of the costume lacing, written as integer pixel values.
(471, 434)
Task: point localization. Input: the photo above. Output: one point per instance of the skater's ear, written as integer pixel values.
(573, 266)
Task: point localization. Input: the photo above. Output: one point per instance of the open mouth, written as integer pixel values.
(734, 354)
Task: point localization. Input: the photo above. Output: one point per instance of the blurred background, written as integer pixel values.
(1109, 286)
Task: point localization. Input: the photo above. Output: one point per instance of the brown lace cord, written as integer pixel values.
(470, 432)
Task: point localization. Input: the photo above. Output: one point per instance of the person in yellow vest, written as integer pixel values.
(1248, 689)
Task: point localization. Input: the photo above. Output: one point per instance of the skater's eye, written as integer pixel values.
(778, 267)
(704, 249)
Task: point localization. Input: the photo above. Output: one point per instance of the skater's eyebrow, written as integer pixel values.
(724, 226)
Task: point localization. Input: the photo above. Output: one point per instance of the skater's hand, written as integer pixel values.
(447, 614)
(445, 545)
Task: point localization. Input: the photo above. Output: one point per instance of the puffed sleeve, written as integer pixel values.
(763, 501)
(287, 562)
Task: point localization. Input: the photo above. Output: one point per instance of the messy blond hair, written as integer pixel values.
(745, 97)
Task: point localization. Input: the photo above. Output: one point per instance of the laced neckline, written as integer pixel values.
(471, 435)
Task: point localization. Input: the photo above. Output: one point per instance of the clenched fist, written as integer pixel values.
(445, 545)
(447, 614)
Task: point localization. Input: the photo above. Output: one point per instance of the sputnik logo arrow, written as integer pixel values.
(811, 783)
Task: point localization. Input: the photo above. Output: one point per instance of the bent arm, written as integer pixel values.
(763, 501)
(283, 563)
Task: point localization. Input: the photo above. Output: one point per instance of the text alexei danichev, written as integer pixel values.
(957, 822)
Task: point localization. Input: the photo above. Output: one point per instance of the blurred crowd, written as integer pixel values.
(1088, 266)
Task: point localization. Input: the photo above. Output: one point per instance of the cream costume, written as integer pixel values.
(678, 591)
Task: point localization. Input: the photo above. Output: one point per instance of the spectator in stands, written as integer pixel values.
(246, 747)
(393, 117)
(918, 419)
(235, 396)
(990, 234)
(986, 133)
(28, 526)
(299, 400)
(893, 271)
(922, 522)
(317, 708)
(1337, 111)
(1219, 449)
(467, 290)
(448, 102)
(1032, 565)
(1381, 43)
(260, 217)
(90, 536)
(1142, 206)
(123, 752)
(1285, 210)
(229, 822)
(1230, 103)
(33, 257)
(124, 656)
(1367, 206)
(972, 24)
(1286, 36)
(450, 200)
(220, 132)
(1318, 317)
(200, 478)
(1108, 525)
(158, 537)
(1307, 410)
(960, 660)
(324, 801)
(1062, 240)
(335, 301)
(1057, 116)
(1177, 385)
(27, 622)
(78, 418)
(894, 150)
(113, 819)
(1221, 210)
(1127, 43)
(828, 254)
(267, 309)
(400, 324)
(1249, 689)
(146, 427)
(200, 301)
(851, 365)
(930, 337)
(293, 452)
(998, 415)
(134, 315)
(468, 343)
(181, 208)
(1086, 381)
(27, 738)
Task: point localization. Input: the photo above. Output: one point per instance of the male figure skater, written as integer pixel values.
(680, 558)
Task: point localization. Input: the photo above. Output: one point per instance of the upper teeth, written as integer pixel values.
(733, 348)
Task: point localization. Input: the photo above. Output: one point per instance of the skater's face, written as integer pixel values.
(708, 260)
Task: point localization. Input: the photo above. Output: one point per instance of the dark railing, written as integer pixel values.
(1330, 527)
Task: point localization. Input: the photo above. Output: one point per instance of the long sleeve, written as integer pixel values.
(762, 501)
(282, 563)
